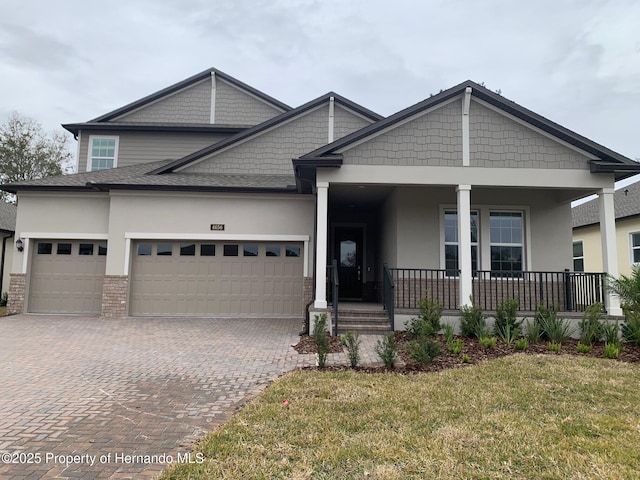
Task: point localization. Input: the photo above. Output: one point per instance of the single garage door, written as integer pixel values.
(216, 278)
(67, 276)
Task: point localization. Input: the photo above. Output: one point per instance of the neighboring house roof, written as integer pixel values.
(273, 122)
(610, 161)
(626, 204)
(8, 216)
(139, 177)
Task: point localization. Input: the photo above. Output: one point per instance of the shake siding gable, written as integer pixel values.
(500, 142)
(134, 148)
(434, 138)
(191, 105)
(235, 107)
(346, 122)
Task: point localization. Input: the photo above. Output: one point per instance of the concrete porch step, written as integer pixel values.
(363, 328)
(363, 320)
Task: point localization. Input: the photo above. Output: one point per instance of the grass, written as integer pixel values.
(521, 416)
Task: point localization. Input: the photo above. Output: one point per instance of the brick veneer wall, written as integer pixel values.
(114, 295)
(17, 287)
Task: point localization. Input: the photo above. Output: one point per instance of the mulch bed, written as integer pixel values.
(471, 348)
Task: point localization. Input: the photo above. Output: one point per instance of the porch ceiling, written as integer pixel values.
(360, 197)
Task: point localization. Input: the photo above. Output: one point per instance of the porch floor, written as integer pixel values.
(366, 306)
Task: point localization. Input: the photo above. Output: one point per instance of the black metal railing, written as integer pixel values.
(333, 286)
(565, 291)
(388, 287)
(412, 284)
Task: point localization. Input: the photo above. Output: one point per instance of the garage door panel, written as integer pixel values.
(66, 283)
(218, 284)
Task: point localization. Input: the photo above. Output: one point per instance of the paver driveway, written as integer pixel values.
(101, 389)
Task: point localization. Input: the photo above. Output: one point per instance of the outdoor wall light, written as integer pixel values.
(20, 245)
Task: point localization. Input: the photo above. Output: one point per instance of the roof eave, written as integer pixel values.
(75, 128)
(191, 188)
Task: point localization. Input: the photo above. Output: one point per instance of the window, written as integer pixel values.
(272, 250)
(506, 237)
(451, 242)
(44, 248)
(250, 250)
(207, 250)
(164, 249)
(85, 249)
(144, 249)
(230, 250)
(635, 247)
(64, 249)
(103, 153)
(102, 248)
(292, 250)
(578, 257)
(187, 250)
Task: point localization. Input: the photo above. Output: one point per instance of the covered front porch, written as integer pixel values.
(392, 245)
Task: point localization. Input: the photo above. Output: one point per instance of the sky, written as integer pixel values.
(574, 62)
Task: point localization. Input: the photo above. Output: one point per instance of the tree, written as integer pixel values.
(27, 153)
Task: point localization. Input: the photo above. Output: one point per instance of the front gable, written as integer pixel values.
(233, 106)
(499, 140)
(190, 105)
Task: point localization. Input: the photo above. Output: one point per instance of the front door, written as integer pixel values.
(348, 252)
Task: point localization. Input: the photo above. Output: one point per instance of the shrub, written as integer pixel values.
(554, 347)
(448, 332)
(508, 334)
(521, 344)
(612, 350)
(466, 358)
(540, 318)
(455, 346)
(556, 330)
(610, 332)
(506, 318)
(583, 348)
(430, 312)
(631, 328)
(387, 350)
(532, 332)
(351, 341)
(423, 350)
(321, 339)
(472, 321)
(627, 289)
(4, 299)
(418, 328)
(488, 342)
(591, 324)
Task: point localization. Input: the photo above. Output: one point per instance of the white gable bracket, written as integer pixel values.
(331, 118)
(212, 118)
(465, 127)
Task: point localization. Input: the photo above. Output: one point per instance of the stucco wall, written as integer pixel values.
(592, 245)
(433, 138)
(191, 105)
(186, 214)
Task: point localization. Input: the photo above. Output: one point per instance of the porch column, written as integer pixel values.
(609, 251)
(322, 197)
(464, 243)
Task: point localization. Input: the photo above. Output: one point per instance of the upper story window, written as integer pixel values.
(103, 153)
(578, 256)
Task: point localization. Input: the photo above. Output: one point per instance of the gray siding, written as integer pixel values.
(346, 122)
(148, 147)
(235, 107)
(431, 139)
(192, 105)
(498, 141)
(271, 152)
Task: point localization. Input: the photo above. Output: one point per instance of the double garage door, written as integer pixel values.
(223, 278)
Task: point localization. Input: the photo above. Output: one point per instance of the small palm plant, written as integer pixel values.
(627, 288)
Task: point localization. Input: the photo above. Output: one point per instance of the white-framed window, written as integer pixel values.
(451, 248)
(578, 256)
(103, 153)
(634, 241)
(506, 237)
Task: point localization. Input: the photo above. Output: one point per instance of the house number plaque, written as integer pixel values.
(217, 226)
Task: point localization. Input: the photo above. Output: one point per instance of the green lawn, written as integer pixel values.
(522, 416)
